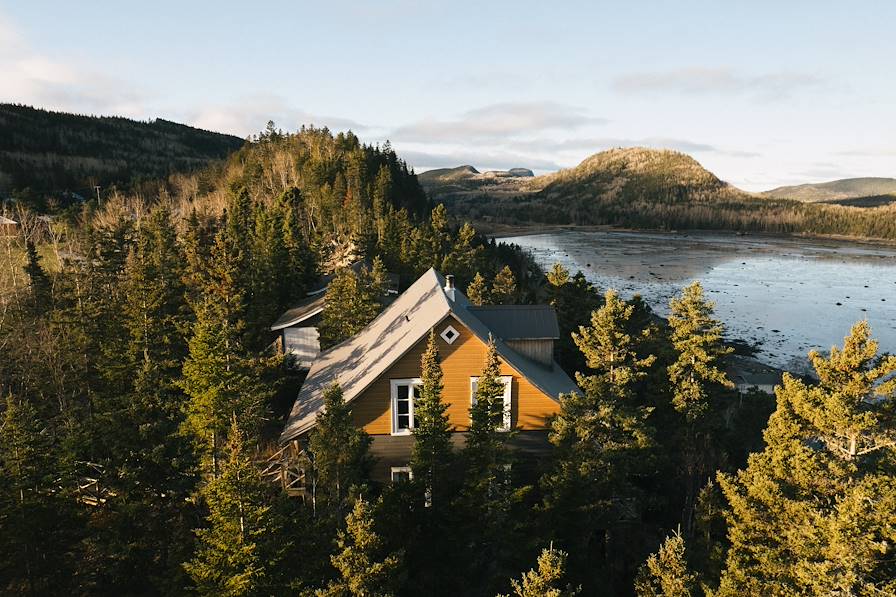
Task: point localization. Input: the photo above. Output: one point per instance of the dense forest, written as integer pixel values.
(141, 393)
(645, 188)
(46, 156)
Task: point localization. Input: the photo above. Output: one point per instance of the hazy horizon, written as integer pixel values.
(762, 95)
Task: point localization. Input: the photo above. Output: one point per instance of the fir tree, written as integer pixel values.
(352, 301)
(812, 514)
(432, 433)
(666, 573)
(488, 496)
(464, 258)
(339, 451)
(547, 581)
(219, 376)
(41, 289)
(365, 570)
(477, 291)
(610, 349)
(504, 287)
(239, 552)
(697, 339)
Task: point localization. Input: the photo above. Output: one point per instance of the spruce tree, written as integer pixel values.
(465, 256)
(477, 291)
(812, 514)
(488, 497)
(610, 349)
(41, 289)
(548, 580)
(431, 454)
(697, 339)
(339, 451)
(666, 573)
(352, 301)
(504, 288)
(239, 552)
(220, 377)
(364, 567)
(603, 445)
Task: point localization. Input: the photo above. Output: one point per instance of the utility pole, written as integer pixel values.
(99, 202)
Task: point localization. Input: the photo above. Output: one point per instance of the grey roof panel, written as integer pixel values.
(519, 322)
(304, 310)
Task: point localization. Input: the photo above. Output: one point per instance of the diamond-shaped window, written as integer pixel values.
(449, 335)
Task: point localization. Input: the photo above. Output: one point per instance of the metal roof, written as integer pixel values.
(304, 310)
(360, 360)
(6, 221)
(519, 322)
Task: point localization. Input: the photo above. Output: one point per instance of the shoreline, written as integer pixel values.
(503, 231)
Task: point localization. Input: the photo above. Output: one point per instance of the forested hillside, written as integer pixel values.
(140, 395)
(647, 188)
(44, 154)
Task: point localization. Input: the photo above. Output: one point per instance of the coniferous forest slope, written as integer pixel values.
(141, 396)
(647, 188)
(44, 154)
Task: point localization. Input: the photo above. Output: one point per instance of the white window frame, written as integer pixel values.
(508, 399)
(401, 469)
(394, 384)
(454, 332)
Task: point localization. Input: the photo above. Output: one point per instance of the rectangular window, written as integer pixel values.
(401, 473)
(508, 390)
(404, 393)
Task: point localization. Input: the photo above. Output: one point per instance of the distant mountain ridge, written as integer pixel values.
(847, 188)
(639, 187)
(50, 152)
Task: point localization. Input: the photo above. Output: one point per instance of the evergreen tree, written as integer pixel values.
(610, 350)
(365, 570)
(352, 301)
(666, 573)
(812, 514)
(465, 256)
(698, 386)
(574, 300)
(697, 339)
(488, 497)
(504, 287)
(41, 289)
(339, 451)
(219, 376)
(240, 551)
(603, 445)
(432, 433)
(547, 581)
(477, 291)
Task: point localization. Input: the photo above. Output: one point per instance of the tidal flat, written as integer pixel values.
(785, 295)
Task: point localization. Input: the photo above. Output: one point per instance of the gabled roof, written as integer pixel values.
(362, 359)
(519, 322)
(304, 310)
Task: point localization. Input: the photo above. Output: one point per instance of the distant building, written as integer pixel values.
(298, 325)
(8, 227)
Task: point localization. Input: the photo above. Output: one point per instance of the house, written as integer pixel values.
(8, 227)
(379, 371)
(298, 325)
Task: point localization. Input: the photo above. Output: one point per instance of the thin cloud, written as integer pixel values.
(482, 160)
(252, 113)
(32, 77)
(716, 81)
(595, 144)
(497, 122)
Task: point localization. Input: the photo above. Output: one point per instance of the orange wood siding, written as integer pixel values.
(460, 361)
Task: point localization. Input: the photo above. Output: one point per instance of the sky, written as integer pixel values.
(763, 94)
